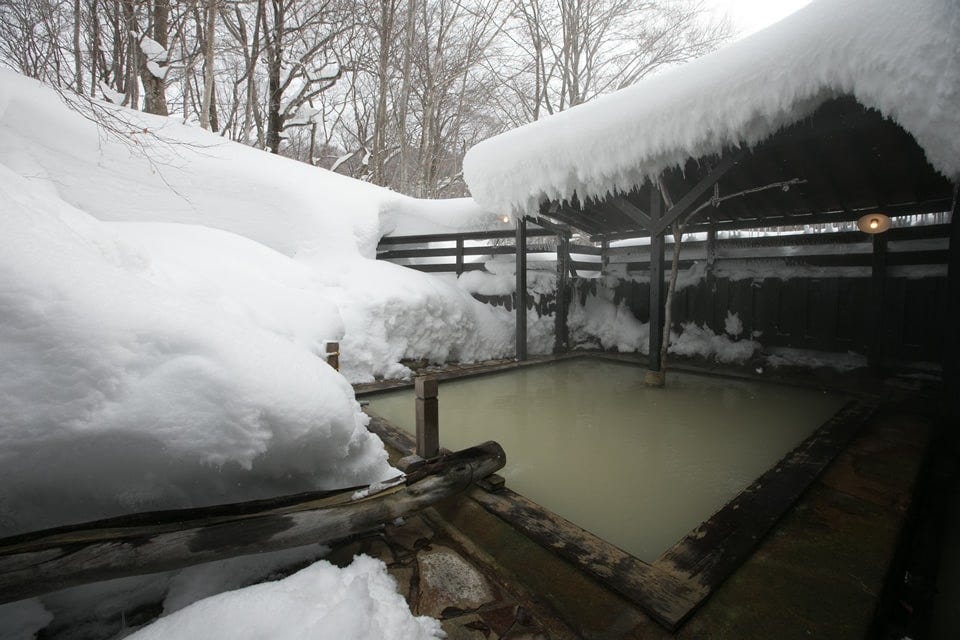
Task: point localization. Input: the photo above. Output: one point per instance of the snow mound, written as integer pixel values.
(320, 602)
(897, 57)
(120, 393)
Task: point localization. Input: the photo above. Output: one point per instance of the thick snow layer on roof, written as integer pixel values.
(899, 57)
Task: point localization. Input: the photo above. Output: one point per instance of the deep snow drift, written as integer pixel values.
(894, 56)
(165, 295)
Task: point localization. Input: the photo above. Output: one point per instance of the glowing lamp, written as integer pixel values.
(504, 219)
(874, 223)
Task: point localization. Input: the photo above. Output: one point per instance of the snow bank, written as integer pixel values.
(412, 216)
(320, 602)
(897, 57)
(597, 318)
(695, 340)
(120, 392)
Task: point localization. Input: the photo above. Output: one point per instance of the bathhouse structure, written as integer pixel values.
(841, 111)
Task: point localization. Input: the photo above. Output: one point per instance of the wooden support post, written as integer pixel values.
(560, 342)
(521, 296)
(951, 352)
(428, 417)
(333, 354)
(656, 290)
(604, 257)
(878, 277)
(459, 256)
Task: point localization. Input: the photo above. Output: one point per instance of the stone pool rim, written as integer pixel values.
(672, 587)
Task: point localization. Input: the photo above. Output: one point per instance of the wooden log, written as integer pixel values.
(39, 562)
(333, 354)
(428, 417)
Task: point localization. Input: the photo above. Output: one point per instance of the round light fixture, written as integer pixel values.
(504, 219)
(874, 223)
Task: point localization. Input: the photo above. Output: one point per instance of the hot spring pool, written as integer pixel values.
(638, 467)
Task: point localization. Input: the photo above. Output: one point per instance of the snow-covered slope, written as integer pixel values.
(164, 298)
(897, 56)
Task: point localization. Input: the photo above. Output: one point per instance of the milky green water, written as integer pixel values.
(638, 467)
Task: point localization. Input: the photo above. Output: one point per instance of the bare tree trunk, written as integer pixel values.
(388, 9)
(208, 41)
(154, 88)
(274, 46)
(132, 86)
(77, 56)
(408, 44)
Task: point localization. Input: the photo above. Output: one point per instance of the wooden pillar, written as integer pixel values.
(656, 284)
(333, 354)
(560, 342)
(428, 417)
(951, 352)
(459, 256)
(521, 297)
(878, 282)
(604, 257)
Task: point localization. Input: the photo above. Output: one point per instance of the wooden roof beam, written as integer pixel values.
(684, 204)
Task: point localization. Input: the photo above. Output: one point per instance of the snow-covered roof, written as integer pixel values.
(897, 56)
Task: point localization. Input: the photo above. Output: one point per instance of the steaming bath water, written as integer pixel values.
(638, 467)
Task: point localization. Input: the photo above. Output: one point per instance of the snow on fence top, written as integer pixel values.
(897, 56)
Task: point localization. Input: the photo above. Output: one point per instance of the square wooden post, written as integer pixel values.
(561, 342)
(656, 284)
(878, 277)
(428, 417)
(459, 256)
(521, 301)
(332, 348)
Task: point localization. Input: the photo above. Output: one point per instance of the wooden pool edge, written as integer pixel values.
(674, 586)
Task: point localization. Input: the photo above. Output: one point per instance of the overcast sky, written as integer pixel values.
(751, 15)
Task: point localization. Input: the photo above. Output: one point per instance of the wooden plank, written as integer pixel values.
(585, 249)
(521, 288)
(460, 255)
(665, 595)
(451, 237)
(36, 563)
(712, 551)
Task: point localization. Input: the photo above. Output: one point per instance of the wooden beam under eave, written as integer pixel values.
(632, 211)
(685, 203)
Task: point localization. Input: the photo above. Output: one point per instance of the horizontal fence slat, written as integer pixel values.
(473, 235)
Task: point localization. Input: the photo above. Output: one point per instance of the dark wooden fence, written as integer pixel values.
(820, 291)
(459, 252)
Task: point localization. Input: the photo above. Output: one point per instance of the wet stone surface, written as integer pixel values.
(439, 580)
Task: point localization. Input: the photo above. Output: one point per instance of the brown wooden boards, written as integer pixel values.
(43, 561)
